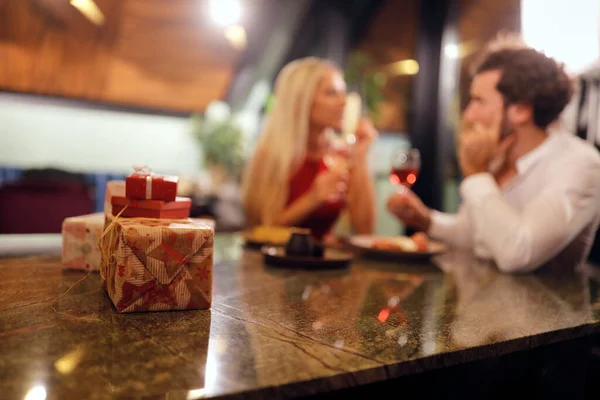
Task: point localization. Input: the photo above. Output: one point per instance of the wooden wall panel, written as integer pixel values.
(149, 53)
(392, 37)
(479, 22)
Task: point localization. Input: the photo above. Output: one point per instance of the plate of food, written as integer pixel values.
(269, 235)
(417, 247)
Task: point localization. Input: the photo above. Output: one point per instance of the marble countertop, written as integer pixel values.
(276, 333)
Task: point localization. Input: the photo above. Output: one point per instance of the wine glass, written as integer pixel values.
(338, 153)
(405, 168)
(337, 157)
(340, 144)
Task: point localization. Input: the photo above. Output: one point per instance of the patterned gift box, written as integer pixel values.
(113, 189)
(145, 185)
(80, 237)
(157, 265)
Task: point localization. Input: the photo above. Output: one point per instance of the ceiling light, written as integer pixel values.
(404, 67)
(460, 50)
(36, 393)
(236, 34)
(90, 10)
(196, 394)
(451, 51)
(225, 12)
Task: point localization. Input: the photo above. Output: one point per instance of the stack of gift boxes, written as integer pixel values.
(150, 254)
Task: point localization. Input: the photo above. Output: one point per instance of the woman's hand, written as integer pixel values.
(328, 184)
(361, 190)
(365, 135)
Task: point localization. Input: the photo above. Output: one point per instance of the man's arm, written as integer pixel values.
(454, 229)
(523, 240)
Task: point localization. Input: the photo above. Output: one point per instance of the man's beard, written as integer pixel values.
(505, 130)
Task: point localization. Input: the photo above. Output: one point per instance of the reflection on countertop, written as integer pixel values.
(276, 332)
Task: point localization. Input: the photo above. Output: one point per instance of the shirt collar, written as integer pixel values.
(527, 161)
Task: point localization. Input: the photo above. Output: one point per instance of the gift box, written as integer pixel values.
(157, 265)
(80, 237)
(178, 209)
(113, 189)
(145, 185)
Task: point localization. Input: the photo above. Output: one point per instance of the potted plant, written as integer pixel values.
(362, 76)
(222, 143)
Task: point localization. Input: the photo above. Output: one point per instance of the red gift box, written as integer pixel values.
(144, 185)
(180, 208)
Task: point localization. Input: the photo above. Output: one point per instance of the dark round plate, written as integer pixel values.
(275, 256)
(251, 244)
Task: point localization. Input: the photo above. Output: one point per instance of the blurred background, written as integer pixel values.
(89, 88)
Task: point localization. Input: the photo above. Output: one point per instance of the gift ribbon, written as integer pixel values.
(149, 186)
(146, 170)
(142, 169)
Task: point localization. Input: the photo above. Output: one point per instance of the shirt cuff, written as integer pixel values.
(474, 188)
(442, 225)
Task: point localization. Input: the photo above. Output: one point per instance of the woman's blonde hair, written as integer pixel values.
(282, 143)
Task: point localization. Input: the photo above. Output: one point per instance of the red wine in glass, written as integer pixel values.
(405, 168)
(404, 176)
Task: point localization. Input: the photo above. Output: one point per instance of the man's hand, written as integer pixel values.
(410, 210)
(479, 145)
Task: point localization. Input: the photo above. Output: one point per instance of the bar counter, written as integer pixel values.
(279, 333)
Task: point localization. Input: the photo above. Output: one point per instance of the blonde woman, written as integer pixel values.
(287, 182)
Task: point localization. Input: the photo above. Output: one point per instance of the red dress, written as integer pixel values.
(322, 219)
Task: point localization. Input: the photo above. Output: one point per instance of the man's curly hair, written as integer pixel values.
(528, 77)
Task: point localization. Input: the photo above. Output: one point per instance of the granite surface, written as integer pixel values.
(273, 332)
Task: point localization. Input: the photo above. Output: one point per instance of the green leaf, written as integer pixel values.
(221, 142)
(360, 72)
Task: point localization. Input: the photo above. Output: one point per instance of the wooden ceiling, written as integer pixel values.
(160, 54)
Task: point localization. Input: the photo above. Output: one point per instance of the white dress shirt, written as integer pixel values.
(548, 212)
